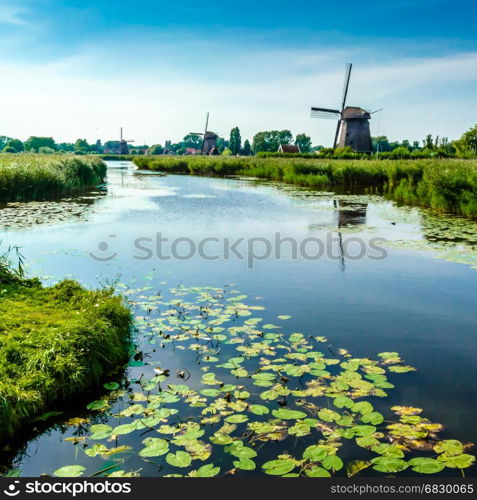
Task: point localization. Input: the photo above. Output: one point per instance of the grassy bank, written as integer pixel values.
(443, 185)
(46, 177)
(55, 343)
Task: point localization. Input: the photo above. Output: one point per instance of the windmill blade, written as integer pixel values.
(375, 111)
(205, 132)
(349, 66)
(327, 114)
(338, 127)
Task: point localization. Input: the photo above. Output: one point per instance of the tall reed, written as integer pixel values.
(443, 185)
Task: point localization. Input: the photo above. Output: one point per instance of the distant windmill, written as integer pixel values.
(353, 122)
(123, 143)
(209, 139)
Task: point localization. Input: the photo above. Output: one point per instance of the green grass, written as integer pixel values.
(46, 177)
(55, 343)
(443, 185)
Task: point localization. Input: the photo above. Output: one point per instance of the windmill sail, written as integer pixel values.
(349, 66)
(327, 114)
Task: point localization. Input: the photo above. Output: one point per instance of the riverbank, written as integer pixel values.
(55, 343)
(47, 177)
(443, 185)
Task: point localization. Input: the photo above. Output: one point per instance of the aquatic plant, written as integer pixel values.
(251, 397)
(55, 343)
(46, 177)
(443, 185)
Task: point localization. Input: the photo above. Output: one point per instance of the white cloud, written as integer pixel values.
(161, 90)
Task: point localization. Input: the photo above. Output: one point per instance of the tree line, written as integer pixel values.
(267, 141)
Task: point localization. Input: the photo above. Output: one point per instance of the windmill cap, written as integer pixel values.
(210, 135)
(351, 112)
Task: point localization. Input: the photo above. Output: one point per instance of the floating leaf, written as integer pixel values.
(457, 461)
(426, 465)
(111, 386)
(279, 467)
(208, 470)
(356, 467)
(315, 453)
(259, 409)
(154, 447)
(244, 464)
(70, 471)
(179, 459)
(286, 414)
(97, 405)
(389, 464)
(316, 471)
(332, 462)
(449, 447)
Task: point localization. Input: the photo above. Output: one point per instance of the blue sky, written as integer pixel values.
(85, 68)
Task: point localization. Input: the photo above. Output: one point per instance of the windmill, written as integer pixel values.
(123, 143)
(209, 139)
(353, 122)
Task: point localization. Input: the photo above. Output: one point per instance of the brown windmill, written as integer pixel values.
(209, 140)
(353, 122)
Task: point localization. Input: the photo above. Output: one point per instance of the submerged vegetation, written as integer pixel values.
(46, 177)
(446, 186)
(249, 397)
(55, 343)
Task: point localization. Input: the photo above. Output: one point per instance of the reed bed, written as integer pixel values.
(443, 185)
(47, 177)
(55, 343)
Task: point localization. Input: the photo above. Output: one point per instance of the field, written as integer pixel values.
(46, 177)
(55, 343)
(443, 185)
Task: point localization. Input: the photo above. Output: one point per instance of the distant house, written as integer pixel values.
(289, 148)
(192, 151)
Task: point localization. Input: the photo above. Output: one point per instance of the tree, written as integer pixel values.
(16, 145)
(3, 141)
(303, 142)
(381, 144)
(247, 148)
(34, 143)
(235, 142)
(192, 141)
(428, 142)
(44, 150)
(222, 144)
(157, 149)
(82, 146)
(467, 144)
(66, 147)
(271, 140)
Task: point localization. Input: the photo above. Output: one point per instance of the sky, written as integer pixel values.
(71, 69)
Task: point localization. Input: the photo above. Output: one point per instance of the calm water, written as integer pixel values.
(408, 302)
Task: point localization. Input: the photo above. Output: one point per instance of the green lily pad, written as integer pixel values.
(259, 409)
(286, 414)
(154, 447)
(179, 459)
(426, 465)
(279, 467)
(70, 471)
(389, 464)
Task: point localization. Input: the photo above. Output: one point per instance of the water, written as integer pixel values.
(409, 301)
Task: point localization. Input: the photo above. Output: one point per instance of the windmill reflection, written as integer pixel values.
(348, 214)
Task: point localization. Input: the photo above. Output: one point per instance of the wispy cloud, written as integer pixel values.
(160, 88)
(13, 15)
